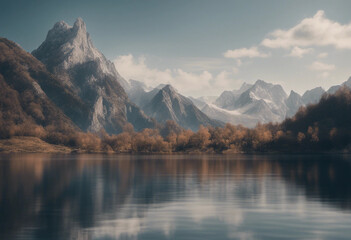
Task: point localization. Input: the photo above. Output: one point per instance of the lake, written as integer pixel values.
(175, 197)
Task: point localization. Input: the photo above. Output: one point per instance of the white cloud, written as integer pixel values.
(252, 52)
(188, 83)
(132, 68)
(322, 55)
(235, 70)
(323, 67)
(299, 52)
(315, 31)
(324, 74)
(239, 62)
(225, 79)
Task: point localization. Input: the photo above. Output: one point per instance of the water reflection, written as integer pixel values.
(174, 197)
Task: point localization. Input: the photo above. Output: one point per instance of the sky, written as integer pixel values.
(202, 47)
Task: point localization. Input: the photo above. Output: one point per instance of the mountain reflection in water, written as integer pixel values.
(175, 197)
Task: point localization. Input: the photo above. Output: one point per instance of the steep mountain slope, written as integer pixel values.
(140, 94)
(168, 104)
(312, 96)
(227, 98)
(293, 103)
(335, 88)
(68, 52)
(26, 94)
(262, 102)
(272, 95)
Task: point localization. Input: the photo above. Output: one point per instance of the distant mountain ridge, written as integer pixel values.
(252, 103)
(313, 96)
(293, 103)
(227, 98)
(261, 102)
(165, 103)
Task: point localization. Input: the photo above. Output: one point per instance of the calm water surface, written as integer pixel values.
(175, 197)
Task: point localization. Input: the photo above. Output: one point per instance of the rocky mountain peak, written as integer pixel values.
(67, 46)
(261, 82)
(62, 33)
(348, 82)
(60, 26)
(168, 104)
(169, 89)
(313, 96)
(79, 25)
(293, 94)
(243, 87)
(69, 53)
(293, 103)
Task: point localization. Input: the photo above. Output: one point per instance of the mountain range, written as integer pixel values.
(166, 103)
(83, 88)
(68, 83)
(260, 102)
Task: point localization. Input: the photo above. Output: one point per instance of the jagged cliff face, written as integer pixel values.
(66, 47)
(165, 103)
(227, 99)
(293, 102)
(261, 102)
(313, 96)
(69, 53)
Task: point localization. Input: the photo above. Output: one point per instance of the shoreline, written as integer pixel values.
(35, 145)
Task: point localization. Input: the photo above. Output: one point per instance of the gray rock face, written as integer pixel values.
(167, 104)
(262, 102)
(140, 94)
(227, 98)
(347, 83)
(69, 53)
(293, 103)
(335, 88)
(312, 96)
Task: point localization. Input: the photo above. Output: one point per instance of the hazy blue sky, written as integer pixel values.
(203, 47)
